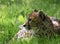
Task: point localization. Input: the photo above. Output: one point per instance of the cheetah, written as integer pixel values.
(56, 24)
(40, 23)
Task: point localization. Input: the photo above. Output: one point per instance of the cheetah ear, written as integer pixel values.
(42, 15)
(35, 10)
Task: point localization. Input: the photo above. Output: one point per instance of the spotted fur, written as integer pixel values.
(40, 23)
(56, 24)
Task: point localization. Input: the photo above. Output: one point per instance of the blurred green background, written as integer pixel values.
(14, 12)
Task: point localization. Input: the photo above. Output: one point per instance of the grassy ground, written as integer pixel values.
(14, 14)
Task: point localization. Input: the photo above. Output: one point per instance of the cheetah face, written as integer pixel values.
(35, 19)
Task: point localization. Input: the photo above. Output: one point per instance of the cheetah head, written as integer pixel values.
(35, 19)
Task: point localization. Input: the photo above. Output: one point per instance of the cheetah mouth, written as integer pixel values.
(35, 29)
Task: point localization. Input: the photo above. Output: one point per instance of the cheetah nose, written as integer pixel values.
(24, 25)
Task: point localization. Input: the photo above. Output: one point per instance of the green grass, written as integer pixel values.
(36, 40)
(15, 13)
